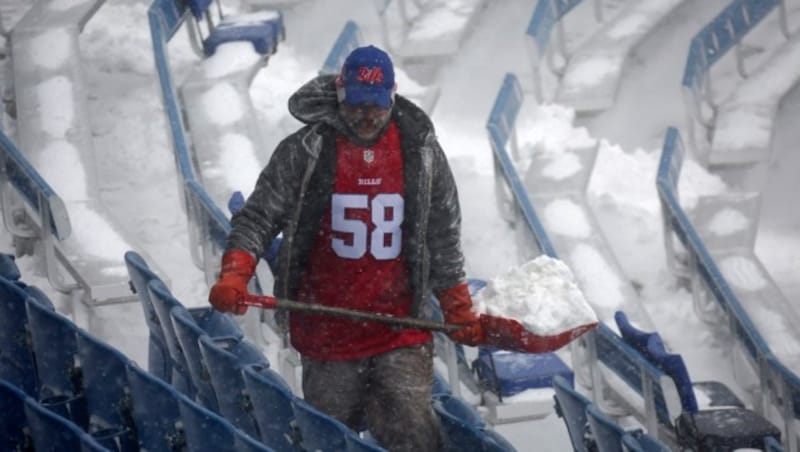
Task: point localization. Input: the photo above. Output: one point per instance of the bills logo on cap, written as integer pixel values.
(371, 75)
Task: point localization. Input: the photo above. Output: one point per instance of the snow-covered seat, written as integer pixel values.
(593, 72)
(261, 28)
(743, 128)
(272, 406)
(154, 407)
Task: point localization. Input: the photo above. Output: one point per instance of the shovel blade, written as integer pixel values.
(509, 334)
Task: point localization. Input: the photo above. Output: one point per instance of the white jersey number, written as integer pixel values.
(387, 216)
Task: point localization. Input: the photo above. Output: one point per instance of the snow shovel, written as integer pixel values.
(502, 333)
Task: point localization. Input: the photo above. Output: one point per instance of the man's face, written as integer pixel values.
(366, 121)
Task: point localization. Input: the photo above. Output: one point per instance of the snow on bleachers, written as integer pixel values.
(54, 136)
(593, 72)
(743, 129)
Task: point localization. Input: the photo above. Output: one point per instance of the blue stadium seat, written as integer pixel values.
(571, 406)
(188, 334)
(272, 407)
(440, 384)
(356, 443)
(318, 431)
(158, 362)
(17, 364)
(8, 267)
(60, 381)
(460, 434)
(206, 431)
(651, 346)
(642, 442)
(508, 373)
(263, 32)
(12, 418)
(459, 409)
(607, 433)
(52, 433)
(772, 445)
(163, 302)
(106, 387)
(155, 412)
(225, 359)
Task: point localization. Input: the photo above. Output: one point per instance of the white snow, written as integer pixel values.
(51, 48)
(223, 104)
(728, 221)
(127, 118)
(541, 294)
(563, 216)
(57, 106)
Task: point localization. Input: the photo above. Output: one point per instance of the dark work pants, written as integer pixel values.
(389, 394)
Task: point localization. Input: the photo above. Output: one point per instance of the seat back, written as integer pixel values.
(155, 412)
(632, 335)
(205, 430)
(158, 362)
(106, 388)
(318, 431)
(56, 366)
(8, 267)
(462, 434)
(12, 418)
(225, 359)
(163, 301)
(188, 334)
(355, 443)
(17, 364)
(673, 365)
(607, 433)
(459, 409)
(642, 442)
(49, 431)
(60, 378)
(571, 405)
(272, 407)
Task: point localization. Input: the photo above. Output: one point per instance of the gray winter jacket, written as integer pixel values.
(294, 190)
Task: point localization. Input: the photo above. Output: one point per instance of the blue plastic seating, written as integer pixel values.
(225, 359)
(607, 433)
(508, 373)
(263, 31)
(106, 388)
(272, 407)
(571, 406)
(461, 433)
(8, 267)
(459, 409)
(158, 361)
(318, 431)
(51, 432)
(17, 364)
(642, 442)
(207, 431)
(60, 380)
(12, 418)
(188, 333)
(355, 443)
(155, 412)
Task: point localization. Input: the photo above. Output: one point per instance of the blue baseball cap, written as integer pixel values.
(367, 77)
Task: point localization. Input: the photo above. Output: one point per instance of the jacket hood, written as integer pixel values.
(316, 102)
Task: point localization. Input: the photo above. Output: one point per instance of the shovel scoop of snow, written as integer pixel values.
(534, 308)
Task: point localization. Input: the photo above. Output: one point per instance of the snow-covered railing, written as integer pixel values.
(546, 15)
(708, 46)
(347, 41)
(512, 197)
(206, 220)
(778, 385)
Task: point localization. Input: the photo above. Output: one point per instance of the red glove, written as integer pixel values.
(228, 292)
(456, 306)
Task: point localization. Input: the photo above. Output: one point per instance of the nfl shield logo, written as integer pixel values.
(369, 155)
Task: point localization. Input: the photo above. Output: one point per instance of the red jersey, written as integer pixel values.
(356, 261)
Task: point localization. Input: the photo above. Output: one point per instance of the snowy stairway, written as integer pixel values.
(54, 134)
(743, 126)
(593, 72)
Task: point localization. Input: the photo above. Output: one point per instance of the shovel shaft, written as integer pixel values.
(268, 302)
